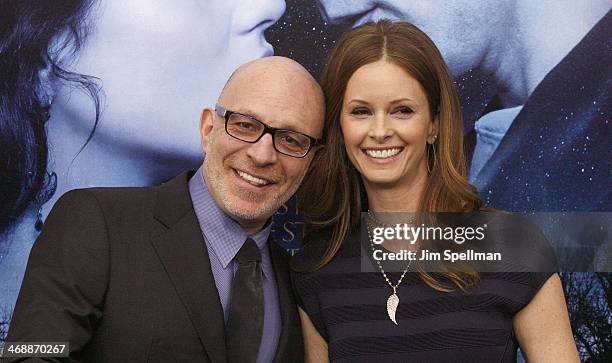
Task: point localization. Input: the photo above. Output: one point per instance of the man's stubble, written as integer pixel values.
(268, 203)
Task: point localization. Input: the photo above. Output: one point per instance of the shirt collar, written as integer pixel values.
(224, 235)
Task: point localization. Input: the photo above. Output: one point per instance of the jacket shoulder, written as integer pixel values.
(114, 205)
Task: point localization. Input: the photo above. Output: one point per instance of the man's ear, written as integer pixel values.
(207, 119)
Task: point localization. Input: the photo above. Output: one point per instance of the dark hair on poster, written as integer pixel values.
(36, 37)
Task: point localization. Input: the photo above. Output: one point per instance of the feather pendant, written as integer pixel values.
(392, 303)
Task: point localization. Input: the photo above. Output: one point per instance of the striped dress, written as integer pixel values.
(348, 308)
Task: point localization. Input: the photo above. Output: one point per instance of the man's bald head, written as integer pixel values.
(277, 75)
(272, 65)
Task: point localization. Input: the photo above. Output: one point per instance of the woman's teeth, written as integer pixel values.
(382, 154)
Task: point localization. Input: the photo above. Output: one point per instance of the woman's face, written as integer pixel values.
(161, 62)
(386, 123)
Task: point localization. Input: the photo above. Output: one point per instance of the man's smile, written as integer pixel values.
(256, 181)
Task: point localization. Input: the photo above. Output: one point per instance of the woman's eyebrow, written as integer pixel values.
(356, 100)
(403, 99)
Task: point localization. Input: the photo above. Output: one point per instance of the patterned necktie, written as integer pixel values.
(246, 315)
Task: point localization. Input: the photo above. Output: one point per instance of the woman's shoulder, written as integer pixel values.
(520, 240)
(514, 290)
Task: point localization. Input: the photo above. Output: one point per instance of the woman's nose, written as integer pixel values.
(379, 128)
(258, 15)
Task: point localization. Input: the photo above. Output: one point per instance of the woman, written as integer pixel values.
(137, 73)
(394, 144)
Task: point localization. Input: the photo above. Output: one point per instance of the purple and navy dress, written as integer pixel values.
(348, 309)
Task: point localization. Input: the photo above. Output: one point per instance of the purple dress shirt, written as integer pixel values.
(224, 237)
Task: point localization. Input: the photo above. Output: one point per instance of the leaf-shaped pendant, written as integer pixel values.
(392, 303)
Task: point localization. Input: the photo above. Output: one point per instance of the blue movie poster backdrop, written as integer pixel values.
(108, 93)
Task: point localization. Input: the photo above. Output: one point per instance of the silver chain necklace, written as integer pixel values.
(393, 300)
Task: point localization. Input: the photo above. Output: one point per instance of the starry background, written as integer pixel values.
(303, 35)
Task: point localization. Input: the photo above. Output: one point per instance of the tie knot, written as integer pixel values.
(249, 252)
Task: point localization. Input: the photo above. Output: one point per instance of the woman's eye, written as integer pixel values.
(360, 111)
(403, 110)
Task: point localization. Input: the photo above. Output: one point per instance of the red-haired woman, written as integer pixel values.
(394, 144)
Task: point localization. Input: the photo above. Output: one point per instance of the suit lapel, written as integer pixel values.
(181, 249)
(290, 345)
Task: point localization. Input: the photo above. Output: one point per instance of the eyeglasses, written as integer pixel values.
(249, 129)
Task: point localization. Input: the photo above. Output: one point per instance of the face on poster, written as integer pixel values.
(158, 63)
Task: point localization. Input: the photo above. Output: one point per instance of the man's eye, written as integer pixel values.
(245, 125)
(361, 111)
(290, 140)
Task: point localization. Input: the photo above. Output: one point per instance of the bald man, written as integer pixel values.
(185, 271)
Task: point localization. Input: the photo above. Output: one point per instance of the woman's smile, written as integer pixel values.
(383, 155)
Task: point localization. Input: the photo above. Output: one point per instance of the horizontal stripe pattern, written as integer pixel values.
(441, 339)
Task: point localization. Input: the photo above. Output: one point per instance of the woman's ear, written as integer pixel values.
(434, 127)
(46, 86)
(206, 127)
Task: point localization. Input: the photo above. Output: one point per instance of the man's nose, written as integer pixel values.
(262, 152)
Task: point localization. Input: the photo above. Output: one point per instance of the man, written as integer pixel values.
(185, 271)
(543, 141)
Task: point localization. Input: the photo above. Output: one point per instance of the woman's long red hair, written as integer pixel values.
(331, 195)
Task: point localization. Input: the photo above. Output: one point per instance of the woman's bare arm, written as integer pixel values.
(315, 347)
(543, 328)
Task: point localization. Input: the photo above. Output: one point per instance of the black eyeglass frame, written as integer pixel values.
(226, 114)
